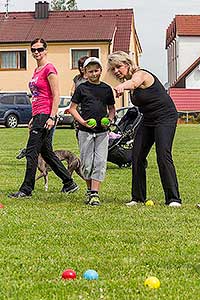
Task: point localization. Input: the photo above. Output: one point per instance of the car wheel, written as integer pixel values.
(11, 121)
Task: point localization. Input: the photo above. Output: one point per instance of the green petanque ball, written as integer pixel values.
(92, 122)
(105, 121)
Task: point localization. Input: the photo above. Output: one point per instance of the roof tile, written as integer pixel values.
(70, 26)
(183, 25)
(186, 100)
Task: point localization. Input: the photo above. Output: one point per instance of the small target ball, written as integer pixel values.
(152, 282)
(149, 203)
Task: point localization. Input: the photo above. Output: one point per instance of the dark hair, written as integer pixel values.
(40, 40)
(81, 61)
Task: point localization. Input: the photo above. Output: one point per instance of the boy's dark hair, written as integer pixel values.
(81, 61)
(40, 40)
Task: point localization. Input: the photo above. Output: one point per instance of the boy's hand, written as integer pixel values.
(91, 123)
(105, 122)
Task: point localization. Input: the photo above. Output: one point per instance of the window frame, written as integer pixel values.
(79, 49)
(15, 50)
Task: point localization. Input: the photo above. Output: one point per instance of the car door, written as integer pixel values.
(23, 106)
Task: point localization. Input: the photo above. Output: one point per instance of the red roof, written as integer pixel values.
(183, 25)
(80, 25)
(187, 100)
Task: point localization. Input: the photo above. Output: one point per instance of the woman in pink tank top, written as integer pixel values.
(45, 101)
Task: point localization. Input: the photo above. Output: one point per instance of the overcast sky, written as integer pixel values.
(152, 17)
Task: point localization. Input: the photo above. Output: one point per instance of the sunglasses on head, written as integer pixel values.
(33, 50)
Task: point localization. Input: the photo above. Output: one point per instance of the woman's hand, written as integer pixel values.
(49, 124)
(119, 90)
(30, 123)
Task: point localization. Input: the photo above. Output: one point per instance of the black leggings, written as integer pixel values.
(40, 141)
(162, 135)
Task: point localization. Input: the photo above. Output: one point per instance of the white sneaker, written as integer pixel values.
(175, 204)
(131, 203)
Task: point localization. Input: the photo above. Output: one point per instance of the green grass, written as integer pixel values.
(42, 236)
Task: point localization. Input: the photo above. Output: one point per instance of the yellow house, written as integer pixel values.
(70, 35)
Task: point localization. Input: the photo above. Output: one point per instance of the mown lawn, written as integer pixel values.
(42, 236)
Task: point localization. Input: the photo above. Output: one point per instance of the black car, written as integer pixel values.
(15, 108)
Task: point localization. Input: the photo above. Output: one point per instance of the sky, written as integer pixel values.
(151, 19)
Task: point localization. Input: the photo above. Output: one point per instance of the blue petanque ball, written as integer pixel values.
(91, 275)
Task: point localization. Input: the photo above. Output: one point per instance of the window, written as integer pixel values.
(77, 53)
(20, 99)
(13, 60)
(7, 99)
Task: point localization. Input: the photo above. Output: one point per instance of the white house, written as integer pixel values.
(183, 57)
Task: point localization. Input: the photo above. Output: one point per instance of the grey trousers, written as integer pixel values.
(93, 154)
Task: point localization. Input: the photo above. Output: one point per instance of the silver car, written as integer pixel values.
(65, 118)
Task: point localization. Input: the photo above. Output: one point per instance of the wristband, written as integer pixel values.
(52, 118)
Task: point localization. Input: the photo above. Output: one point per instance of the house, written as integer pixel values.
(183, 56)
(70, 35)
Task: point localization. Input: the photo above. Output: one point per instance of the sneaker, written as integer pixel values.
(87, 194)
(131, 203)
(69, 187)
(94, 200)
(175, 204)
(18, 194)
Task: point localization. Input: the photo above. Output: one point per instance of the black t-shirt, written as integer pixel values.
(155, 104)
(93, 100)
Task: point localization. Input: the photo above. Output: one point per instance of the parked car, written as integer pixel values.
(15, 108)
(65, 118)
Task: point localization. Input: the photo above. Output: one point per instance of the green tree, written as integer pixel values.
(64, 5)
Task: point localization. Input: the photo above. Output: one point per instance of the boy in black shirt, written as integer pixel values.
(96, 100)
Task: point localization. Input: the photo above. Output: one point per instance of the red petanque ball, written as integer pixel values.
(69, 274)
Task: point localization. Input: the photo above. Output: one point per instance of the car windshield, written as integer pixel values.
(64, 101)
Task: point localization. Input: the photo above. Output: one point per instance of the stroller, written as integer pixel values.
(121, 138)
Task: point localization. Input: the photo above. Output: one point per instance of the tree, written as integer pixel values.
(64, 5)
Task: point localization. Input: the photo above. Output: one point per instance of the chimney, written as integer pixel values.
(41, 10)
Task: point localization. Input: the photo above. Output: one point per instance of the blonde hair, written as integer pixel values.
(121, 57)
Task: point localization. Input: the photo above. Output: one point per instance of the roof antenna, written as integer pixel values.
(7, 7)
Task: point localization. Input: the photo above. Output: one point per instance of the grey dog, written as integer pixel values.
(73, 164)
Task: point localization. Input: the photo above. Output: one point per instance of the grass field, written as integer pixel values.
(42, 236)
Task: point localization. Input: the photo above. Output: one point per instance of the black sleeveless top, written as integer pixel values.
(155, 104)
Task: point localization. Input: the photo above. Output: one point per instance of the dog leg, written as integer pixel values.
(46, 181)
(75, 166)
